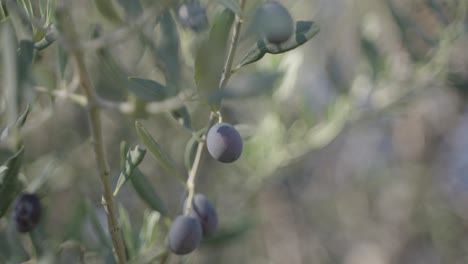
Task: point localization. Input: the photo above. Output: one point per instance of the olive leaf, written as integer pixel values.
(156, 150)
(167, 51)
(209, 60)
(147, 193)
(10, 185)
(107, 9)
(49, 38)
(304, 31)
(249, 85)
(147, 90)
(127, 233)
(233, 5)
(132, 159)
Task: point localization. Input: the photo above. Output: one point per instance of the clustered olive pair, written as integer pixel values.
(187, 231)
(224, 144)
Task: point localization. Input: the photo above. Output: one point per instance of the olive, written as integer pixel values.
(185, 234)
(224, 143)
(273, 21)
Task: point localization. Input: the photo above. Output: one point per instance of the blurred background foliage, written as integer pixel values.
(356, 143)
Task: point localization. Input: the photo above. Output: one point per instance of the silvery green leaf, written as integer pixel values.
(209, 60)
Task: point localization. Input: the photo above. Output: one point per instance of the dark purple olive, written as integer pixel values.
(274, 22)
(206, 213)
(224, 143)
(27, 212)
(184, 235)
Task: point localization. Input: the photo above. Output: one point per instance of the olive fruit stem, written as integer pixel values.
(214, 115)
(94, 117)
(196, 165)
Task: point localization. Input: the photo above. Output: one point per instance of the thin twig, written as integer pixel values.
(222, 84)
(96, 129)
(167, 105)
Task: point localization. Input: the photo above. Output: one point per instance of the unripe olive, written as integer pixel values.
(274, 22)
(205, 212)
(184, 235)
(27, 212)
(224, 143)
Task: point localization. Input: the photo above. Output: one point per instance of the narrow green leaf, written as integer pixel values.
(147, 193)
(210, 57)
(155, 149)
(123, 154)
(10, 73)
(107, 9)
(48, 39)
(250, 84)
(183, 117)
(147, 90)
(255, 53)
(132, 8)
(10, 184)
(23, 116)
(227, 234)
(13, 129)
(132, 159)
(305, 30)
(127, 233)
(62, 60)
(149, 231)
(167, 50)
(233, 5)
(99, 230)
(25, 54)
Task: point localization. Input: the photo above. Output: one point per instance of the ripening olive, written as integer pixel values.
(205, 212)
(184, 235)
(224, 143)
(274, 22)
(27, 212)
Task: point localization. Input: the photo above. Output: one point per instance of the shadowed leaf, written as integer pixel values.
(9, 183)
(210, 58)
(147, 90)
(156, 150)
(233, 5)
(305, 30)
(107, 9)
(147, 193)
(132, 159)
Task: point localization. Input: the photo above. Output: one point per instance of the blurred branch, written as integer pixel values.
(65, 21)
(167, 105)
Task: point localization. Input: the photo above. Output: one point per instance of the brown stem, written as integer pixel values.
(94, 116)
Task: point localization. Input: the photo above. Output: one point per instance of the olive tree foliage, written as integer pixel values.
(138, 60)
